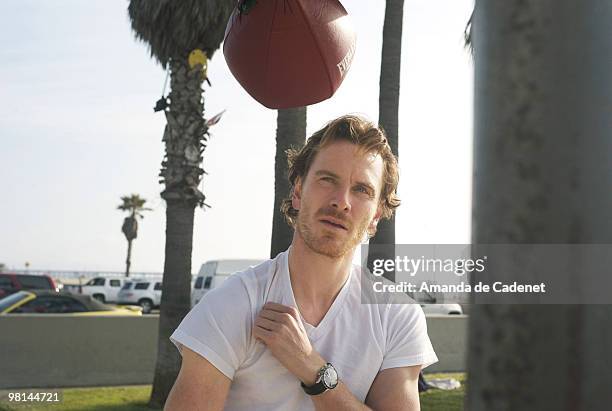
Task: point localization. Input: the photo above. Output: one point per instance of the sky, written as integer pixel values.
(78, 131)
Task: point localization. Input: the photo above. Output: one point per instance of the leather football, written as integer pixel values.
(289, 53)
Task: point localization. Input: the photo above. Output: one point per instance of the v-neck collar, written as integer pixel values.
(313, 332)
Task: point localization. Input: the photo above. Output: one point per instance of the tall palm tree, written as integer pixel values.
(290, 132)
(388, 106)
(134, 205)
(173, 29)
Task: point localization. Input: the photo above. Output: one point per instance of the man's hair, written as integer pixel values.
(369, 137)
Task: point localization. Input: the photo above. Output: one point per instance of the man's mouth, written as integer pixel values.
(333, 223)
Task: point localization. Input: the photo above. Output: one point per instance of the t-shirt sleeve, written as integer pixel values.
(407, 342)
(219, 326)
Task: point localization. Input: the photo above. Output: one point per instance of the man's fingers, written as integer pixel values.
(261, 333)
(276, 316)
(277, 307)
(280, 308)
(266, 323)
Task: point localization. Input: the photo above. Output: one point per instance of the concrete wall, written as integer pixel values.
(448, 334)
(64, 351)
(53, 350)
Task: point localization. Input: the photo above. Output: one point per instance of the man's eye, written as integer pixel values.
(363, 189)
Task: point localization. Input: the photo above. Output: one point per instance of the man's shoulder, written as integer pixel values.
(238, 294)
(252, 280)
(254, 275)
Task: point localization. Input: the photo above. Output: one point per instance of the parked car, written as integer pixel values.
(11, 283)
(444, 309)
(104, 289)
(214, 272)
(52, 302)
(145, 293)
(433, 303)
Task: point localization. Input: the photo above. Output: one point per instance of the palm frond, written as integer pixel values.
(467, 35)
(173, 28)
(134, 204)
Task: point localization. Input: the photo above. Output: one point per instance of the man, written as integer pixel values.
(293, 333)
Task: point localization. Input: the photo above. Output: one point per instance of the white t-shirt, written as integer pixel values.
(358, 339)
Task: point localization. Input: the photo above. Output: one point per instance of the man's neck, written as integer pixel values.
(316, 279)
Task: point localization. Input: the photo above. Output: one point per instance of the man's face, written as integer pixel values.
(338, 200)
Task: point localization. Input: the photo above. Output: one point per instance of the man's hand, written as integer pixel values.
(280, 328)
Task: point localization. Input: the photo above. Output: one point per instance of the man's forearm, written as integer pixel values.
(338, 399)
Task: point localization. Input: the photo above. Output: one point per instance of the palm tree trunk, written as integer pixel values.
(175, 302)
(128, 260)
(181, 172)
(542, 174)
(388, 112)
(290, 132)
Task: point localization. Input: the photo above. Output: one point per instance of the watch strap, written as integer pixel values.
(315, 389)
(319, 387)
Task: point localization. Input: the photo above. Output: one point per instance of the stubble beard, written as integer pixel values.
(328, 244)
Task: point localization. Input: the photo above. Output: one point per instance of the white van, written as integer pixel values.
(214, 272)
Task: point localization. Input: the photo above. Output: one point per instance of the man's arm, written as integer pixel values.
(200, 386)
(395, 389)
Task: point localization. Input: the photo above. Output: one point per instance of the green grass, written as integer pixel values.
(135, 398)
(438, 400)
(125, 398)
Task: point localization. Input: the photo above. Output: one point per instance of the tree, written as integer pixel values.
(174, 30)
(134, 205)
(542, 99)
(290, 132)
(388, 111)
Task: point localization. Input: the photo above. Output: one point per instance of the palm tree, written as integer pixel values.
(290, 132)
(388, 105)
(173, 30)
(134, 205)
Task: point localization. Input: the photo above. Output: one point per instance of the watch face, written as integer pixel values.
(330, 377)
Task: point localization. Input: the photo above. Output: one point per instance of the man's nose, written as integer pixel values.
(341, 199)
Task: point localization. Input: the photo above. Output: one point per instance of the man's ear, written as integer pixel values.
(374, 223)
(296, 194)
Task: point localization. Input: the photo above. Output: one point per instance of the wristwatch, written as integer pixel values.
(327, 379)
